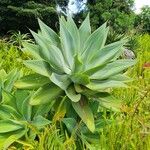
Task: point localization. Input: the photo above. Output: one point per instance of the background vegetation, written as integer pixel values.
(21, 15)
(128, 129)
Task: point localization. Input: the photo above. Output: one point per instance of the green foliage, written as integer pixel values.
(73, 68)
(50, 138)
(7, 81)
(17, 38)
(118, 14)
(115, 12)
(12, 58)
(131, 131)
(143, 20)
(127, 129)
(18, 119)
(21, 15)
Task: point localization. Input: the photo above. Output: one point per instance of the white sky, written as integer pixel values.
(140, 3)
(74, 6)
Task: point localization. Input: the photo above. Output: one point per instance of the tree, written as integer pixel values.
(143, 19)
(21, 15)
(118, 14)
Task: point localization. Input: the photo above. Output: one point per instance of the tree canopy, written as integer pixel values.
(118, 14)
(21, 15)
(143, 19)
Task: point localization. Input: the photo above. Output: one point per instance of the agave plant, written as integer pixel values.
(7, 80)
(76, 64)
(17, 38)
(18, 119)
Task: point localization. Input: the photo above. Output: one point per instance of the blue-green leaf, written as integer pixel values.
(45, 94)
(112, 69)
(39, 66)
(71, 93)
(80, 78)
(70, 123)
(32, 81)
(32, 49)
(40, 121)
(83, 110)
(9, 126)
(94, 43)
(67, 44)
(106, 54)
(12, 138)
(84, 31)
(49, 33)
(62, 81)
(104, 84)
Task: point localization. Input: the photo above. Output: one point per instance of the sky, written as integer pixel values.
(75, 6)
(140, 3)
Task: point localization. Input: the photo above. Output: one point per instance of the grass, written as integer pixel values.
(129, 129)
(11, 57)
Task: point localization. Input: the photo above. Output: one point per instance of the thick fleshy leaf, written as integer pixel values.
(22, 102)
(62, 81)
(32, 81)
(70, 123)
(40, 121)
(106, 54)
(78, 64)
(50, 53)
(9, 126)
(108, 101)
(26, 108)
(32, 49)
(3, 75)
(57, 60)
(45, 94)
(91, 71)
(104, 84)
(72, 28)
(94, 43)
(42, 109)
(80, 78)
(78, 88)
(10, 79)
(83, 110)
(13, 137)
(8, 99)
(67, 44)
(84, 31)
(7, 112)
(71, 93)
(39, 66)
(112, 69)
(49, 33)
(121, 77)
(43, 43)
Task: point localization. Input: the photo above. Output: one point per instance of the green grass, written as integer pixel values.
(12, 57)
(130, 129)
